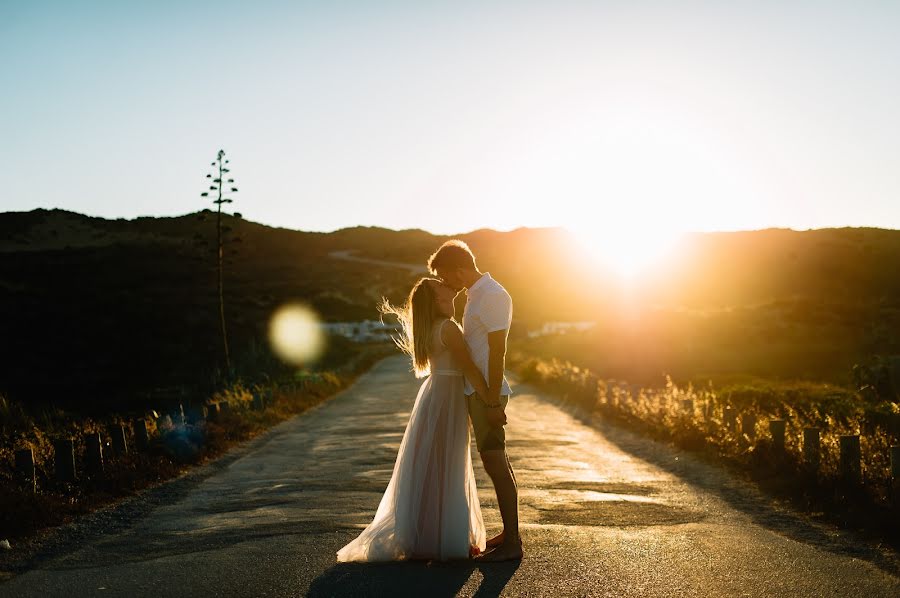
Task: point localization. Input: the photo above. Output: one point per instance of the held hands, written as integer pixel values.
(496, 416)
(494, 411)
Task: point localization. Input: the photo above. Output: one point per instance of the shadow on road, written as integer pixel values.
(716, 480)
(412, 579)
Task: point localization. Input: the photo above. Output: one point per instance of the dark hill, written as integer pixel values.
(722, 269)
(99, 309)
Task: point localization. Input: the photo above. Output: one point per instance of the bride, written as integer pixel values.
(430, 509)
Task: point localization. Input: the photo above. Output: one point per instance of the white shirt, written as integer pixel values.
(488, 309)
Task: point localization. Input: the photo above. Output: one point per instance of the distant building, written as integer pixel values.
(551, 328)
(369, 331)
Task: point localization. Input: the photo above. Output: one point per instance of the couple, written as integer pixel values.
(430, 509)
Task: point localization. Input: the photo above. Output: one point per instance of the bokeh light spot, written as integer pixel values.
(295, 334)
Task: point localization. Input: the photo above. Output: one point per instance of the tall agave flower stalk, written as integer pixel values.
(218, 188)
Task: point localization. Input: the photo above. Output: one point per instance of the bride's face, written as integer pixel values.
(443, 297)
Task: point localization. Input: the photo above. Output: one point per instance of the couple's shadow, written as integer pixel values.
(413, 579)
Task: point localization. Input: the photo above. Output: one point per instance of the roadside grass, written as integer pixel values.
(694, 418)
(173, 449)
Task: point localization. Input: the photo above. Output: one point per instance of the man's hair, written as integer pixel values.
(452, 254)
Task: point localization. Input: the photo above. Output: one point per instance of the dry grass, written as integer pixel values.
(694, 418)
(173, 449)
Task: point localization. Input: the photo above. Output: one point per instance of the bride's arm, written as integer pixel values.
(452, 338)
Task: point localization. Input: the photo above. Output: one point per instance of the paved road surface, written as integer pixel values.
(604, 513)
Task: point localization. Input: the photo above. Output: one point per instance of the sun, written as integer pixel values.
(627, 251)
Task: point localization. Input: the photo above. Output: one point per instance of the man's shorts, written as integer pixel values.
(487, 437)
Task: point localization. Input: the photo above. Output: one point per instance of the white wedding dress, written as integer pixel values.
(430, 509)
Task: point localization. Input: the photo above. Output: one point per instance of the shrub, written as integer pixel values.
(694, 418)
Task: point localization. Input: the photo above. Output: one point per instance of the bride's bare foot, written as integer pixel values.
(507, 551)
(495, 541)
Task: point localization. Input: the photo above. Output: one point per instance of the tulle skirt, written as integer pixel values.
(430, 509)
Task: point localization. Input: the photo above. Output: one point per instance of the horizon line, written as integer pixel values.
(436, 234)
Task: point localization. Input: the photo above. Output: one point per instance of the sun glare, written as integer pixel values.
(627, 251)
(295, 334)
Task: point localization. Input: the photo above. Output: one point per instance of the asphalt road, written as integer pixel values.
(604, 512)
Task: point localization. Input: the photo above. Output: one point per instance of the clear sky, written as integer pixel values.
(626, 116)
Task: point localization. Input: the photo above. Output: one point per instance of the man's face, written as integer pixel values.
(451, 277)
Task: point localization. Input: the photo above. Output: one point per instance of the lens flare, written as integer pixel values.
(295, 334)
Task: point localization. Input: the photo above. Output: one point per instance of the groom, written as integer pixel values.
(486, 323)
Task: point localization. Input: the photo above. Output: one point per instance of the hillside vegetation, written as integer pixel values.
(98, 310)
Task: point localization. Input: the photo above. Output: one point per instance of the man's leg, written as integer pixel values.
(491, 443)
(498, 539)
(511, 472)
(496, 464)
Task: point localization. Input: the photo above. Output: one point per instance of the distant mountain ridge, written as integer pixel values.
(94, 304)
(706, 269)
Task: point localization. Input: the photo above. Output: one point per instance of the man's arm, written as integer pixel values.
(496, 315)
(496, 415)
(496, 365)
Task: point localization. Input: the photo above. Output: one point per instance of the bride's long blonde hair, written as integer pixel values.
(417, 319)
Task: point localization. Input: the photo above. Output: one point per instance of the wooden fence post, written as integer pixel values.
(811, 450)
(259, 401)
(25, 468)
(93, 456)
(748, 425)
(729, 418)
(64, 459)
(850, 460)
(895, 476)
(141, 435)
(119, 445)
(776, 429)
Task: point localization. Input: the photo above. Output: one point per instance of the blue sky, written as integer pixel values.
(606, 116)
